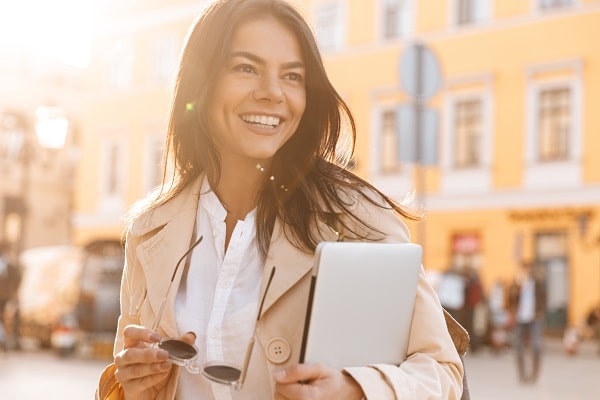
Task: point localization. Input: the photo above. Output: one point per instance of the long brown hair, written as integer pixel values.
(312, 183)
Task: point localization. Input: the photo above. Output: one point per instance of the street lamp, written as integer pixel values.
(51, 127)
(20, 146)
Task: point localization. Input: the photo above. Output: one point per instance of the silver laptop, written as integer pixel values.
(361, 303)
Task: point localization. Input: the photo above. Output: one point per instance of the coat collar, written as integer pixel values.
(182, 203)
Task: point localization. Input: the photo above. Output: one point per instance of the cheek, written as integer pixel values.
(300, 105)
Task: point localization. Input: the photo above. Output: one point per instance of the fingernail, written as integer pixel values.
(279, 374)
(155, 337)
(190, 332)
(162, 354)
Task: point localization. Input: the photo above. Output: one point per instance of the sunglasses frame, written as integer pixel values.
(190, 363)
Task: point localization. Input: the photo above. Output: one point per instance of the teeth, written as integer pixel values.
(261, 120)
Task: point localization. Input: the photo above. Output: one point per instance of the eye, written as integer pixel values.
(245, 68)
(294, 76)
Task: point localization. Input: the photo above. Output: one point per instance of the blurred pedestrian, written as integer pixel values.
(587, 329)
(592, 323)
(499, 316)
(9, 284)
(527, 304)
(451, 292)
(475, 308)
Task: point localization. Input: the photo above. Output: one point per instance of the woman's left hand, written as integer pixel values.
(315, 382)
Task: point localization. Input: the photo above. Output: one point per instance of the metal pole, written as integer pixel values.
(24, 194)
(420, 172)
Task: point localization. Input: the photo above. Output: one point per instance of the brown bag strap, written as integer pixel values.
(460, 336)
(108, 387)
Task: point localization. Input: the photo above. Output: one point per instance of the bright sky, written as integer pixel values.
(60, 29)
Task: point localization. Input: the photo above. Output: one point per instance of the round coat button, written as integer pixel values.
(278, 350)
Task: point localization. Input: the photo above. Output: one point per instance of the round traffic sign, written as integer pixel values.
(419, 71)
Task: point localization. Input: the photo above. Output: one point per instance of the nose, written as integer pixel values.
(269, 89)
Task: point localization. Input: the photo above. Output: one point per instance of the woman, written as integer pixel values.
(253, 135)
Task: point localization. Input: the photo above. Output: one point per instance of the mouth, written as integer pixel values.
(262, 121)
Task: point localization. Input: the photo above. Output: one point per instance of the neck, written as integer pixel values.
(238, 191)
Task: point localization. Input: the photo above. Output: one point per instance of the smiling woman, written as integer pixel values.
(59, 30)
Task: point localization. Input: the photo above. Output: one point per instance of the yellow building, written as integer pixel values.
(514, 175)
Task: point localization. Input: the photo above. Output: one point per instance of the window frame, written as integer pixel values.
(476, 179)
(111, 200)
(405, 20)
(338, 29)
(121, 65)
(165, 56)
(484, 16)
(398, 184)
(559, 173)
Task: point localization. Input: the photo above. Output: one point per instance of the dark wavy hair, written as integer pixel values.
(311, 164)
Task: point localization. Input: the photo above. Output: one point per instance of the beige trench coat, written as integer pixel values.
(157, 239)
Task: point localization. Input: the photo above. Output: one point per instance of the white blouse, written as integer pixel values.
(218, 295)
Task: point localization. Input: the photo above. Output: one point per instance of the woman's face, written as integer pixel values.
(260, 94)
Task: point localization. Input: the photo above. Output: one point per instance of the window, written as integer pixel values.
(390, 166)
(112, 178)
(389, 143)
(164, 54)
(553, 4)
(466, 138)
(554, 124)
(397, 21)
(329, 25)
(121, 67)
(471, 11)
(12, 137)
(153, 170)
(554, 142)
(468, 127)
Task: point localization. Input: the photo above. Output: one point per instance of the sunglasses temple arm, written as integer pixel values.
(246, 363)
(161, 309)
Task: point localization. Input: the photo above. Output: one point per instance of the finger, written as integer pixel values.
(294, 390)
(134, 335)
(189, 338)
(142, 374)
(141, 384)
(140, 355)
(140, 363)
(299, 373)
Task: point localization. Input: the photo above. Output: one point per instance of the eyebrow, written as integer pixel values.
(258, 60)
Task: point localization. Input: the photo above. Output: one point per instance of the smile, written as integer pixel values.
(265, 121)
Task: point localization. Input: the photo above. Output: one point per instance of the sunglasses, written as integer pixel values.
(185, 355)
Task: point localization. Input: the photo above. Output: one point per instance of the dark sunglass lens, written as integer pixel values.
(178, 349)
(223, 372)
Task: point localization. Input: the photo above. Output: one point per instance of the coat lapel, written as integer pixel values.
(291, 263)
(158, 255)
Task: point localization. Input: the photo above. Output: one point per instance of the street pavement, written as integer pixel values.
(29, 375)
(493, 376)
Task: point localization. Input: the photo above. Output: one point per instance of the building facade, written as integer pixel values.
(512, 175)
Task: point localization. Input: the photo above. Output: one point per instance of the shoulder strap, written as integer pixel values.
(108, 387)
(459, 335)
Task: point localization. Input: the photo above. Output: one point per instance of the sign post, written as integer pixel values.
(420, 77)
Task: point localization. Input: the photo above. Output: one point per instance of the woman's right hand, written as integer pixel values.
(142, 370)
